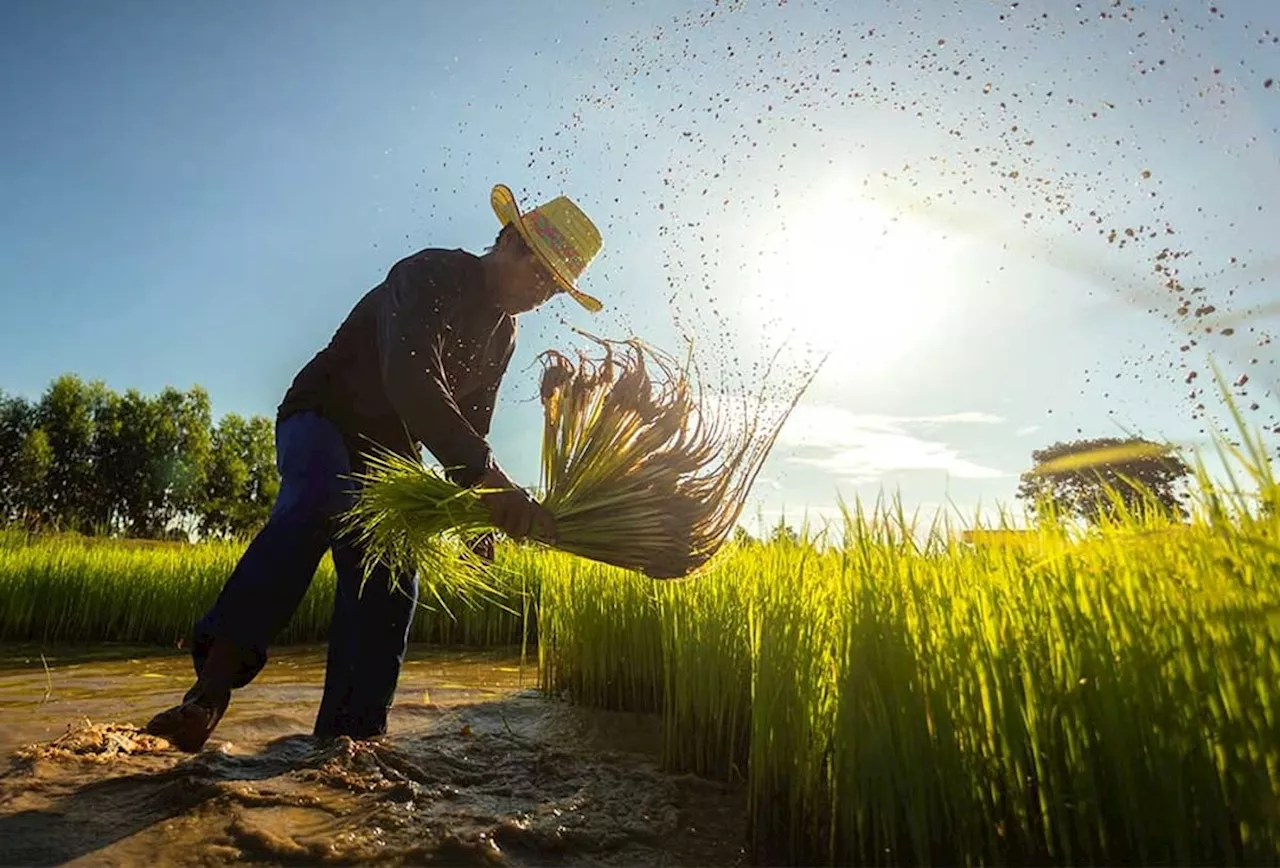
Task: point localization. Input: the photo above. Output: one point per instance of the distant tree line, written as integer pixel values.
(87, 459)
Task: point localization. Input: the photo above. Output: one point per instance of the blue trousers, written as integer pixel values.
(370, 627)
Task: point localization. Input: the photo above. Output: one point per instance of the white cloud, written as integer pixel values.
(814, 515)
(882, 454)
(827, 425)
(864, 447)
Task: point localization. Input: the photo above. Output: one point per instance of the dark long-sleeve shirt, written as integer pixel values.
(418, 360)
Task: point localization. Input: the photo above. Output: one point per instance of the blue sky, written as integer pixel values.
(198, 194)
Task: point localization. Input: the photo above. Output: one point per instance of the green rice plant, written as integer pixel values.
(792, 643)
(637, 468)
(12, 538)
(63, 590)
(81, 589)
(1085, 695)
(599, 641)
(706, 666)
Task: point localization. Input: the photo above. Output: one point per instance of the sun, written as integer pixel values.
(870, 284)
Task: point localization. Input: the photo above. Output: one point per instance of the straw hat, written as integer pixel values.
(562, 237)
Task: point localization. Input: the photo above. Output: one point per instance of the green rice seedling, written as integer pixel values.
(792, 641)
(78, 589)
(12, 538)
(599, 639)
(706, 660)
(66, 591)
(614, 639)
(636, 468)
(1085, 695)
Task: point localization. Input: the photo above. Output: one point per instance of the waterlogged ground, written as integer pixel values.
(478, 769)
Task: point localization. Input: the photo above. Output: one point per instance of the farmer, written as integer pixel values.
(417, 361)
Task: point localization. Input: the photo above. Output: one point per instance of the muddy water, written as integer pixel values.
(478, 768)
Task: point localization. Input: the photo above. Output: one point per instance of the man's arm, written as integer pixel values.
(477, 406)
(411, 323)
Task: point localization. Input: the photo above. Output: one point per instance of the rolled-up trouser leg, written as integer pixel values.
(368, 637)
(276, 569)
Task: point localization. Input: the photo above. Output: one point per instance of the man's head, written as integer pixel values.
(518, 278)
(540, 252)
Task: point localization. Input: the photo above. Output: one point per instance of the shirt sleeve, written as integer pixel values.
(477, 406)
(415, 312)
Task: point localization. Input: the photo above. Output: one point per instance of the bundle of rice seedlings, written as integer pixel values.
(639, 468)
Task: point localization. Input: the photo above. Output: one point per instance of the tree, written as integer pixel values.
(227, 479)
(65, 413)
(133, 464)
(163, 455)
(132, 456)
(17, 419)
(193, 423)
(165, 471)
(1085, 478)
(36, 507)
(241, 483)
(109, 475)
(784, 533)
(264, 478)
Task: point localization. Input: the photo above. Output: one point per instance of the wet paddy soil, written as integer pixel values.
(478, 769)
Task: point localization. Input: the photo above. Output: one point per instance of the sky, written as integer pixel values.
(1001, 224)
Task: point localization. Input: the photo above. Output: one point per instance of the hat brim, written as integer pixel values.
(508, 211)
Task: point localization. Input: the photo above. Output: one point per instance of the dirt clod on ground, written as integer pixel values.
(95, 742)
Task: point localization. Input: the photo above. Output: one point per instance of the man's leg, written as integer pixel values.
(270, 580)
(367, 640)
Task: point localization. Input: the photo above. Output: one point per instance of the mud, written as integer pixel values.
(478, 769)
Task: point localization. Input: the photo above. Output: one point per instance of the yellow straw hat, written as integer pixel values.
(562, 237)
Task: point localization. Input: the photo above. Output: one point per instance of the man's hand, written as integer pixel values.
(513, 511)
(482, 547)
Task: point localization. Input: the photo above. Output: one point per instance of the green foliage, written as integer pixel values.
(17, 419)
(1093, 479)
(240, 478)
(1089, 695)
(69, 588)
(133, 465)
(783, 533)
(33, 470)
(110, 483)
(65, 415)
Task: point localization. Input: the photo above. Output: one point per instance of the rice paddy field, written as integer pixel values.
(1106, 699)
(80, 589)
(904, 697)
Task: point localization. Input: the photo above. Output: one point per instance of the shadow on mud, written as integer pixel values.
(519, 781)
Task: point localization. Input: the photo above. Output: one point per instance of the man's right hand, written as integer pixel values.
(513, 511)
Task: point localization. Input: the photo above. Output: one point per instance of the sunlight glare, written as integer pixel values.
(845, 274)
